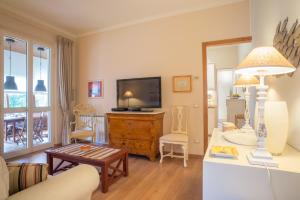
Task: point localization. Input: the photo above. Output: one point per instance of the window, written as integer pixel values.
(41, 94)
(15, 73)
(26, 107)
(41, 61)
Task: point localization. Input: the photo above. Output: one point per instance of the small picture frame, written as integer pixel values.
(182, 83)
(96, 89)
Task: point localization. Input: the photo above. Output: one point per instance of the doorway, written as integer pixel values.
(210, 94)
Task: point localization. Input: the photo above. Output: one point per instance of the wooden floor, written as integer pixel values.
(151, 181)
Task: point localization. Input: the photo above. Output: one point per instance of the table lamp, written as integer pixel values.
(128, 94)
(247, 81)
(263, 61)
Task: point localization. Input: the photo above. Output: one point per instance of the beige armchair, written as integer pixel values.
(77, 183)
(84, 125)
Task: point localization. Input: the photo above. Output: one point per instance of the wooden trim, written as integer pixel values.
(183, 76)
(205, 106)
(228, 41)
(204, 74)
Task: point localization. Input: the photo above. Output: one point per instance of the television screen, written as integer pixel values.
(139, 92)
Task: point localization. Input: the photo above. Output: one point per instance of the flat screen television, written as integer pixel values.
(139, 92)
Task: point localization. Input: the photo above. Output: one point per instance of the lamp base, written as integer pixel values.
(247, 129)
(247, 139)
(261, 157)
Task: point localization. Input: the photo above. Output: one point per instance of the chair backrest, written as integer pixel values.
(37, 124)
(84, 116)
(180, 120)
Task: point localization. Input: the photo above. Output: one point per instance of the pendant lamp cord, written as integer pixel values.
(40, 64)
(9, 58)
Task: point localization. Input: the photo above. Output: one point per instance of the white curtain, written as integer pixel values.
(65, 82)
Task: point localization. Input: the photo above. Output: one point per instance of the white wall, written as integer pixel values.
(165, 47)
(225, 82)
(266, 14)
(223, 56)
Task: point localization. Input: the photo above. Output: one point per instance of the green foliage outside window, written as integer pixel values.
(16, 100)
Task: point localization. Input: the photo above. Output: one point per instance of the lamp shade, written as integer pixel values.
(40, 87)
(10, 83)
(128, 94)
(264, 61)
(246, 81)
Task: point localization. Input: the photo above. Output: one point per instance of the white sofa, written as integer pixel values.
(75, 184)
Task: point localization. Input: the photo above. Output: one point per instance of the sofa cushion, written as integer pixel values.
(4, 179)
(24, 175)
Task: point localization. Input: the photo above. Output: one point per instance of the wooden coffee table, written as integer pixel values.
(112, 162)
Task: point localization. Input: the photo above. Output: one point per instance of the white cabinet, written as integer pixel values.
(236, 179)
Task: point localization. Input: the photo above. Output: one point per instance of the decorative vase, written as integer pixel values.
(276, 120)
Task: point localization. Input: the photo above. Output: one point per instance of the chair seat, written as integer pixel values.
(81, 134)
(173, 137)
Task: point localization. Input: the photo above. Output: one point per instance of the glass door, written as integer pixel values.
(26, 96)
(15, 105)
(41, 95)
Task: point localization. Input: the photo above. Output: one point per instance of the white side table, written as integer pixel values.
(228, 179)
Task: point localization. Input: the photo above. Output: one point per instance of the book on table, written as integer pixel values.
(224, 151)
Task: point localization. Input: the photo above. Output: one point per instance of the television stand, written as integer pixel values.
(146, 110)
(137, 132)
(140, 110)
(133, 109)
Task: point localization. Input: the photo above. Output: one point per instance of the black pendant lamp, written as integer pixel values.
(40, 86)
(10, 83)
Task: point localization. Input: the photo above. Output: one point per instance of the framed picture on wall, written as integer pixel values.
(182, 83)
(96, 89)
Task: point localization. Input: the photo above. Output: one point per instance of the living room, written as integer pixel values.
(85, 54)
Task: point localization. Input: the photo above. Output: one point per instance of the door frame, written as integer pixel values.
(205, 45)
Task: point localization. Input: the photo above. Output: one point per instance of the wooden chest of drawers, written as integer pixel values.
(139, 133)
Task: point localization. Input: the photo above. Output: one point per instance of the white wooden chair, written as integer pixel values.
(178, 135)
(85, 127)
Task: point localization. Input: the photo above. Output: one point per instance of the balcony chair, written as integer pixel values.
(20, 132)
(38, 129)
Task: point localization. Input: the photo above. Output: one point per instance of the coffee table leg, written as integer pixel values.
(104, 178)
(125, 164)
(50, 164)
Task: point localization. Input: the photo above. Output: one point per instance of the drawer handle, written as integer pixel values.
(123, 143)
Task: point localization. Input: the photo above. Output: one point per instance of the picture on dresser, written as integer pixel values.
(96, 89)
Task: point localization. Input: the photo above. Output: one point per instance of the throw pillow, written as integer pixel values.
(4, 180)
(25, 175)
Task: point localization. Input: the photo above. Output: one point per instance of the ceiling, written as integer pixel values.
(80, 17)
